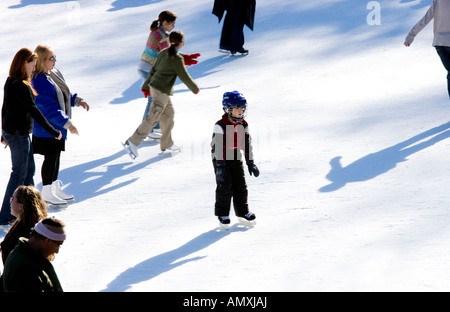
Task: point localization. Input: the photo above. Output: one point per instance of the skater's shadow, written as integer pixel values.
(85, 181)
(131, 93)
(202, 69)
(25, 3)
(125, 4)
(375, 164)
(170, 260)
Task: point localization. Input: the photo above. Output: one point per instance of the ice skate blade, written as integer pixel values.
(246, 222)
(239, 53)
(224, 226)
(56, 206)
(127, 149)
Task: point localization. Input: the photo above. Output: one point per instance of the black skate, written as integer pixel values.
(241, 51)
(248, 219)
(224, 222)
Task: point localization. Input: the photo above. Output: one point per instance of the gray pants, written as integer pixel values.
(161, 110)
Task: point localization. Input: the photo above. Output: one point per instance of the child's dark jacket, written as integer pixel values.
(229, 139)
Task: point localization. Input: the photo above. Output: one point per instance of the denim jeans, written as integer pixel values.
(23, 169)
(444, 54)
(144, 75)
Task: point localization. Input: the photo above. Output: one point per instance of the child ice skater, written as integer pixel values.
(230, 138)
(170, 64)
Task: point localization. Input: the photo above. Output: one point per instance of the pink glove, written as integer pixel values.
(190, 59)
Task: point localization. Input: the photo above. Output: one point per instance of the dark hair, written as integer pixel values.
(175, 38)
(164, 16)
(17, 70)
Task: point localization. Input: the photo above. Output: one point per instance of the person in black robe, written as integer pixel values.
(239, 13)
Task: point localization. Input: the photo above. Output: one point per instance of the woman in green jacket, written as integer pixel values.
(169, 65)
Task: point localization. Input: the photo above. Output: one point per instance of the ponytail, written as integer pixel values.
(164, 16)
(154, 26)
(175, 38)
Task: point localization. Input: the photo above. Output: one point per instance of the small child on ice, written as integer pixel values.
(230, 137)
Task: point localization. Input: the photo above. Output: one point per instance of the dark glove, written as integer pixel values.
(146, 93)
(252, 168)
(220, 172)
(190, 59)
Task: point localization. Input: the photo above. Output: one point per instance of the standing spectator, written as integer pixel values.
(440, 12)
(158, 39)
(28, 267)
(169, 65)
(55, 101)
(239, 13)
(29, 208)
(18, 111)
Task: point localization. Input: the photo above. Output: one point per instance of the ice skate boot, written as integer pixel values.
(50, 197)
(131, 149)
(59, 192)
(224, 222)
(248, 219)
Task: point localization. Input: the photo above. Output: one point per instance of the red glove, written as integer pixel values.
(190, 59)
(146, 93)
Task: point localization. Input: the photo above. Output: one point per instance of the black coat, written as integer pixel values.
(19, 109)
(244, 10)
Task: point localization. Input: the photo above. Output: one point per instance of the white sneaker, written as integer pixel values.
(158, 130)
(50, 197)
(154, 135)
(173, 148)
(58, 191)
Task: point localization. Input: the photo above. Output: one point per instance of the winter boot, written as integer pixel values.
(58, 191)
(50, 197)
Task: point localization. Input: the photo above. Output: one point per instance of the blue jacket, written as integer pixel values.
(48, 103)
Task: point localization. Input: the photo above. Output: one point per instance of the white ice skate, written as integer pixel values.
(49, 196)
(154, 135)
(59, 192)
(131, 149)
(173, 148)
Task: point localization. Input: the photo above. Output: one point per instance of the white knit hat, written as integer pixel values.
(52, 232)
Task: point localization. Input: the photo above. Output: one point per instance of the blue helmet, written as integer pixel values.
(233, 100)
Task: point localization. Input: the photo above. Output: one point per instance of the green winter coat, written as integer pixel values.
(165, 72)
(28, 271)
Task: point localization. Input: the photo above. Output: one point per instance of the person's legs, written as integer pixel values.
(225, 38)
(144, 75)
(240, 192)
(167, 123)
(224, 194)
(49, 168)
(159, 103)
(444, 54)
(20, 147)
(237, 36)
